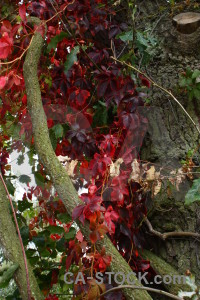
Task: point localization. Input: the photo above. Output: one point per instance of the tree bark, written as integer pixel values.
(12, 249)
(169, 138)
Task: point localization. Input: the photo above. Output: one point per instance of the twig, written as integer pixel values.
(140, 288)
(20, 238)
(18, 58)
(166, 235)
(161, 88)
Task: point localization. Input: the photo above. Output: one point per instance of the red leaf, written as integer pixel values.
(93, 237)
(3, 81)
(22, 12)
(79, 236)
(6, 44)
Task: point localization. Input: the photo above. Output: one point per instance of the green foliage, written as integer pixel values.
(194, 193)
(195, 292)
(10, 186)
(58, 130)
(101, 114)
(64, 218)
(24, 179)
(71, 234)
(55, 40)
(144, 43)
(190, 83)
(7, 270)
(71, 58)
(20, 159)
(39, 179)
(23, 205)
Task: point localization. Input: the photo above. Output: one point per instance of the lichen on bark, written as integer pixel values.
(12, 249)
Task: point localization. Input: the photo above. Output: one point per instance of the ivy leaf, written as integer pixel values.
(39, 179)
(25, 234)
(71, 234)
(71, 58)
(55, 40)
(197, 94)
(60, 245)
(196, 74)
(194, 193)
(20, 159)
(126, 36)
(141, 39)
(23, 205)
(58, 130)
(24, 179)
(55, 229)
(64, 218)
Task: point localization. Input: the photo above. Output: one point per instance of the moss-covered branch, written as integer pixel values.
(12, 248)
(61, 180)
(162, 268)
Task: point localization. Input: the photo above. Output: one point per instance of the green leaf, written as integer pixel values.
(141, 39)
(23, 205)
(58, 130)
(182, 82)
(71, 234)
(60, 245)
(55, 229)
(10, 187)
(194, 193)
(71, 58)
(30, 253)
(195, 74)
(101, 114)
(24, 179)
(64, 218)
(45, 253)
(126, 36)
(25, 234)
(196, 94)
(20, 159)
(55, 40)
(39, 241)
(33, 260)
(39, 179)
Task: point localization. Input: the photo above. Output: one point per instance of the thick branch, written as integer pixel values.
(13, 252)
(61, 180)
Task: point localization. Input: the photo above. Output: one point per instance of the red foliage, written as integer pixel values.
(92, 108)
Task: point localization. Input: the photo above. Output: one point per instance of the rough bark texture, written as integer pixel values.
(60, 179)
(169, 137)
(11, 246)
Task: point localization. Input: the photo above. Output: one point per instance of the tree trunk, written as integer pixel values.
(169, 138)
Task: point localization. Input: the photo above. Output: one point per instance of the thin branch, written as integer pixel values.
(161, 88)
(20, 238)
(18, 58)
(74, 36)
(167, 235)
(140, 288)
